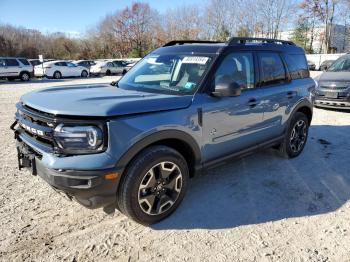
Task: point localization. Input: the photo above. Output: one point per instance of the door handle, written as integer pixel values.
(252, 102)
(291, 94)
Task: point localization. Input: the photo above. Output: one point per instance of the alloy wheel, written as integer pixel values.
(159, 188)
(25, 77)
(298, 136)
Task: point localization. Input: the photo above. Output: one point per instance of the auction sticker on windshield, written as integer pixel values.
(202, 60)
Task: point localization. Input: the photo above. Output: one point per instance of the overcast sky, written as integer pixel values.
(70, 16)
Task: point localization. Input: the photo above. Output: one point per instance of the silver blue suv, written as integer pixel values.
(183, 108)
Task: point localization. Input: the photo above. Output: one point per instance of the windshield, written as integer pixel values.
(169, 74)
(340, 65)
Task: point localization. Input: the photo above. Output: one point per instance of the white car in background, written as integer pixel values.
(105, 68)
(60, 69)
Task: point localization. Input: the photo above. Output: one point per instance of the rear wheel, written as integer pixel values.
(24, 76)
(57, 75)
(296, 136)
(84, 73)
(154, 185)
(108, 73)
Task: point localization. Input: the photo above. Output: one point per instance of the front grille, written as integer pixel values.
(36, 124)
(334, 85)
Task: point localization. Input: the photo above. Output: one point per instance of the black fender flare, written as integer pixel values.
(301, 104)
(157, 137)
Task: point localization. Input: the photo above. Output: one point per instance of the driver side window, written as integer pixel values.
(238, 68)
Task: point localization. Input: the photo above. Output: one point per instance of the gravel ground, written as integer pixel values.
(259, 208)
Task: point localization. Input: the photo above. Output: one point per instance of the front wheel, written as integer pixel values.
(154, 185)
(296, 136)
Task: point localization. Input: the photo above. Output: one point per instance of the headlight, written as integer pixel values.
(78, 139)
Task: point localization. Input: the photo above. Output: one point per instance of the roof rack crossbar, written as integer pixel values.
(243, 40)
(181, 42)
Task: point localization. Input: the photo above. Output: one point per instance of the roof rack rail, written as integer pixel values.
(244, 40)
(181, 42)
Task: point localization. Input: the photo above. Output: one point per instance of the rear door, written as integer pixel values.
(12, 67)
(64, 69)
(279, 93)
(73, 69)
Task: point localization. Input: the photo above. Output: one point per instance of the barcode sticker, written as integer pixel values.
(202, 60)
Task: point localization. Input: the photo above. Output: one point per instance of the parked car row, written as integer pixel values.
(12, 68)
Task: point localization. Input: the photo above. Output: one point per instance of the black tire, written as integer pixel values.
(108, 73)
(57, 75)
(124, 72)
(296, 136)
(130, 194)
(24, 76)
(84, 73)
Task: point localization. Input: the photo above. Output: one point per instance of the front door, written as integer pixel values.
(231, 124)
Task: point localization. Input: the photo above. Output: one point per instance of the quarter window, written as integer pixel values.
(297, 66)
(24, 61)
(271, 69)
(237, 68)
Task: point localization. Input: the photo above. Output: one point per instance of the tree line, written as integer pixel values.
(137, 29)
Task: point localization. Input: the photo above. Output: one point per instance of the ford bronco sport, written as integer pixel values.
(184, 107)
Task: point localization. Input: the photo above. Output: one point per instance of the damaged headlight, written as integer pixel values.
(78, 139)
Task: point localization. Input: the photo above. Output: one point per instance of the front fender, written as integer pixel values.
(155, 138)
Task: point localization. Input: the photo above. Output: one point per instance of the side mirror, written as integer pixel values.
(227, 88)
(114, 83)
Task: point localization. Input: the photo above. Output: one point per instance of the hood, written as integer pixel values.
(334, 77)
(100, 101)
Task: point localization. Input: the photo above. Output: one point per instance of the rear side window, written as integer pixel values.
(11, 62)
(297, 66)
(272, 69)
(24, 61)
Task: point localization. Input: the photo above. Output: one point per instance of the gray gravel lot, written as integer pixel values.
(259, 208)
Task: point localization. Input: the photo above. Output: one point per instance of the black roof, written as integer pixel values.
(213, 47)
